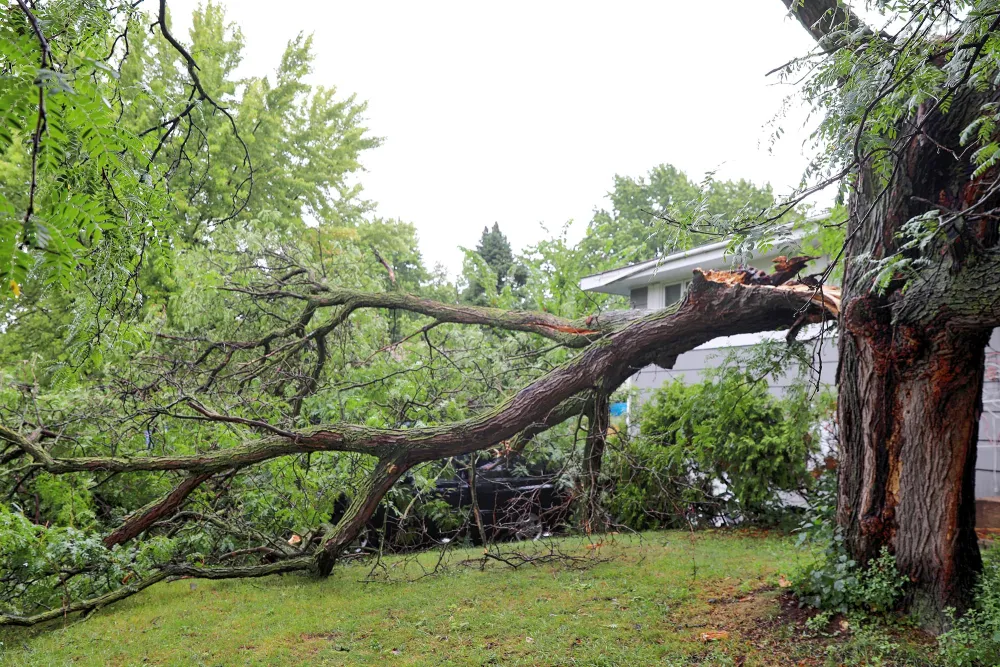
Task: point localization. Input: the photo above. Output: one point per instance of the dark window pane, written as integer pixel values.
(640, 297)
(672, 294)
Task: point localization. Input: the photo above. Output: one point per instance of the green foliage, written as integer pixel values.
(650, 216)
(491, 269)
(831, 582)
(166, 218)
(835, 582)
(133, 168)
(664, 212)
(974, 639)
(728, 429)
(913, 65)
(881, 585)
(66, 501)
(824, 237)
(70, 171)
(43, 566)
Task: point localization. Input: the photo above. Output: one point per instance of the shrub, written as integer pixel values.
(974, 639)
(836, 582)
(721, 447)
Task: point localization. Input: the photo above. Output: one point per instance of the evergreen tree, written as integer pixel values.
(495, 252)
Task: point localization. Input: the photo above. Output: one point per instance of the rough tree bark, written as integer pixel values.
(158, 510)
(911, 357)
(599, 420)
(911, 380)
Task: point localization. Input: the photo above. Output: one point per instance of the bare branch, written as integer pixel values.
(41, 124)
(192, 68)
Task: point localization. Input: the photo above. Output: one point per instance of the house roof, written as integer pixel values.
(673, 268)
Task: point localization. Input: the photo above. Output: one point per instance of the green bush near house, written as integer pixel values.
(727, 429)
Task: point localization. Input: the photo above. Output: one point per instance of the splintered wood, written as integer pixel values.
(824, 296)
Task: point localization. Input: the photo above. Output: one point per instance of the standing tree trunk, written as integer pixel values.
(909, 408)
(911, 370)
(912, 346)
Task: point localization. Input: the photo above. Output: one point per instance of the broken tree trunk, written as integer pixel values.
(912, 346)
(911, 369)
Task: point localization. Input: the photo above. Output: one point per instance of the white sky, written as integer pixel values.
(522, 112)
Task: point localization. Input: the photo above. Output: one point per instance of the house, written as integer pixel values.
(658, 283)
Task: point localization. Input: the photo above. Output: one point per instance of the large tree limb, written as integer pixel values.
(155, 511)
(571, 407)
(574, 333)
(128, 590)
(712, 308)
(715, 306)
(280, 344)
(361, 509)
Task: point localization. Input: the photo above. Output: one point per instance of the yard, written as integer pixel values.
(671, 598)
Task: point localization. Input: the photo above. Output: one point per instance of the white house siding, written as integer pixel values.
(988, 459)
(691, 366)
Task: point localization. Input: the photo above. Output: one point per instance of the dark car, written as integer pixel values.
(511, 507)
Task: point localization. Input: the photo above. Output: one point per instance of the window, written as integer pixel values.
(640, 297)
(672, 294)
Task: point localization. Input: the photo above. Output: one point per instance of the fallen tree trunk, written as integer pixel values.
(716, 305)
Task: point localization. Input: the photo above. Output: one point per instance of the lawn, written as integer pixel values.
(630, 601)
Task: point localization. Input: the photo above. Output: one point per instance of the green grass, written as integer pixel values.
(637, 601)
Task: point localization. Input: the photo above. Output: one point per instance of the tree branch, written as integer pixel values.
(572, 333)
(155, 511)
(715, 306)
(826, 20)
(42, 123)
(95, 603)
(192, 68)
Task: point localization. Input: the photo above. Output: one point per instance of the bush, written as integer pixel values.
(836, 582)
(974, 639)
(44, 566)
(724, 447)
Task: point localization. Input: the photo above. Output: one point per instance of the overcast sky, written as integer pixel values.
(523, 112)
